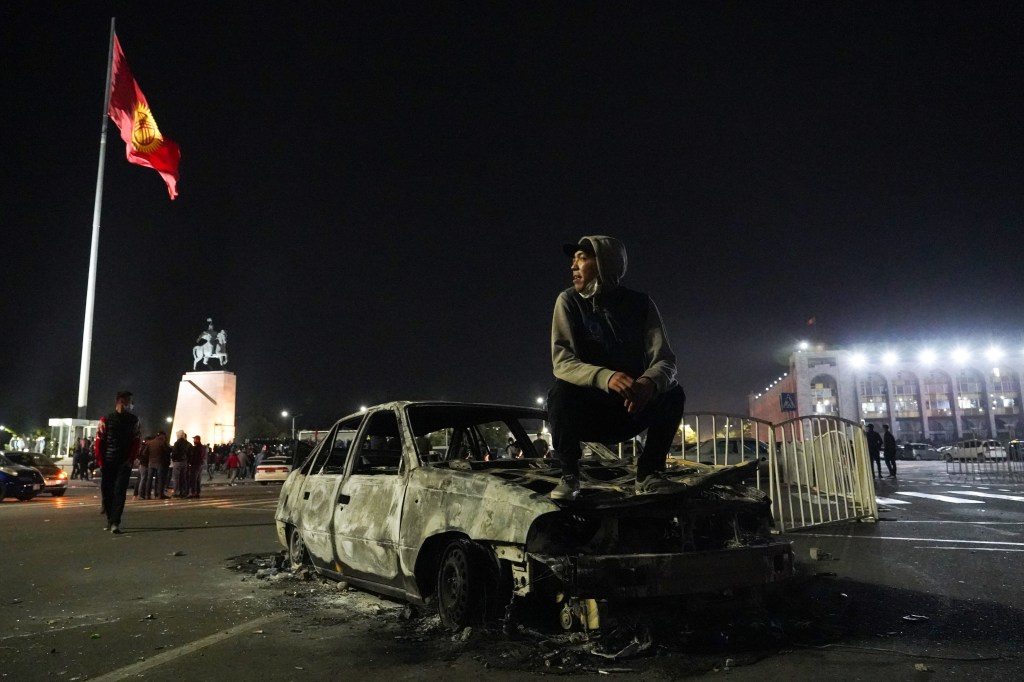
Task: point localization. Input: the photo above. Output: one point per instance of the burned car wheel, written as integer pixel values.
(297, 555)
(459, 596)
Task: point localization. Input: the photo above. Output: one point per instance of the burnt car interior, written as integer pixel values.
(445, 433)
(380, 447)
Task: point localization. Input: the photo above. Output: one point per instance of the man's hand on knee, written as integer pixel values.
(642, 390)
(622, 384)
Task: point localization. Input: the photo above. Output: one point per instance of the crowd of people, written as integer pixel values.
(177, 469)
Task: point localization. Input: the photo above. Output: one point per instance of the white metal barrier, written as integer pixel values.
(1010, 467)
(815, 469)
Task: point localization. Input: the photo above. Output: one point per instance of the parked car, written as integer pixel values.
(18, 480)
(727, 450)
(976, 449)
(918, 451)
(371, 508)
(55, 479)
(275, 468)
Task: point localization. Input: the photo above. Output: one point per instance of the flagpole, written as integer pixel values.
(90, 296)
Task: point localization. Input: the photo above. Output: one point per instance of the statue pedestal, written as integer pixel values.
(206, 407)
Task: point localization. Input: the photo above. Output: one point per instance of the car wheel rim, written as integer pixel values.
(297, 550)
(454, 585)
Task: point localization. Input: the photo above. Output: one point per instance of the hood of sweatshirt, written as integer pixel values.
(611, 263)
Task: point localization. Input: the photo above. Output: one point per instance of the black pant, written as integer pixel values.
(890, 462)
(114, 487)
(581, 413)
(876, 461)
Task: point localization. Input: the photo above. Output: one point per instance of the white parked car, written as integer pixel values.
(273, 468)
(978, 450)
(918, 451)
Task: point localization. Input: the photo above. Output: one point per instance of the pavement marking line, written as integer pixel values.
(889, 500)
(167, 656)
(975, 549)
(957, 542)
(941, 498)
(995, 496)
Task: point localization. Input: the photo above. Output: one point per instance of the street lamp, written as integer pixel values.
(284, 414)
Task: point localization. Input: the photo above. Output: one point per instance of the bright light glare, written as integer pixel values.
(540, 400)
(960, 355)
(362, 408)
(994, 353)
(927, 356)
(889, 358)
(803, 345)
(284, 413)
(858, 359)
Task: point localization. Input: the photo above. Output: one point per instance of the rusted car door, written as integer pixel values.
(313, 501)
(368, 510)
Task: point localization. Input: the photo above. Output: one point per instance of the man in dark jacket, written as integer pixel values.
(615, 374)
(874, 448)
(118, 440)
(151, 466)
(889, 450)
(179, 464)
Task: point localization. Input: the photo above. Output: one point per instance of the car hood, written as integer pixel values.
(606, 485)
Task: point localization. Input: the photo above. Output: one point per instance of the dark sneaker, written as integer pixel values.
(656, 483)
(567, 489)
(115, 529)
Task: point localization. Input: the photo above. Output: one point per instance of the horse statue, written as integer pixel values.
(209, 346)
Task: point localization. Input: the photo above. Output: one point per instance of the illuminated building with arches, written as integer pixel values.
(939, 395)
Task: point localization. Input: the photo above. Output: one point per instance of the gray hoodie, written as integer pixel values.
(609, 328)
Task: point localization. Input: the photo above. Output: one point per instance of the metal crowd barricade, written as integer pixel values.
(1010, 467)
(815, 469)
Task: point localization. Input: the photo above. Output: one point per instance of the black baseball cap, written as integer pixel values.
(584, 245)
(124, 395)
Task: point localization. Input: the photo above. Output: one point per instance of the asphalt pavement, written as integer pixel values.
(192, 590)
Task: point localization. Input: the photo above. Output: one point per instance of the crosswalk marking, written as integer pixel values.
(995, 496)
(940, 498)
(888, 500)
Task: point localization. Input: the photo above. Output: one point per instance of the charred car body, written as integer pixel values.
(411, 499)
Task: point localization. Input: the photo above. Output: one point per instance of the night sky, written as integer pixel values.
(373, 199)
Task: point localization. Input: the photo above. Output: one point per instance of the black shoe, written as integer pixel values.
(567, 489)
(656, 483)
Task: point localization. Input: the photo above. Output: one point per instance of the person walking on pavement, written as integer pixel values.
(232, 467)
(889, 450)
(179, 464)
(615, 374)
(140, 484)
(874, 449)
(117, 444)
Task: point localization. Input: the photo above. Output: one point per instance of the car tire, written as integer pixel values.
(26, 498)
(3, 491)
(263, 482)
(58, 493)
(981, 458)
(948, 457)
(460, 598)
(298, 555)
(917, 457)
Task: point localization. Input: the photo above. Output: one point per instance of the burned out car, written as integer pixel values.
(414, 500)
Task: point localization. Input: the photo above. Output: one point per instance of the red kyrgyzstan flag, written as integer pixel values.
(130, 111)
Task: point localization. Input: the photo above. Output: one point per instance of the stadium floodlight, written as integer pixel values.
(858, 360)
(960, 355)
(889, 358)
(927, 357)
(994, 353)
(803, 345)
